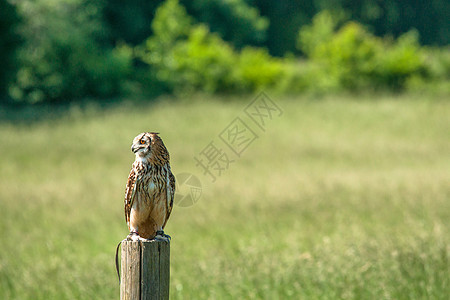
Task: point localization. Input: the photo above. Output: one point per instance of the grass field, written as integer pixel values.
(340, 198)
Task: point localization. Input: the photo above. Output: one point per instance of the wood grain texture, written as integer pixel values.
(145, 270)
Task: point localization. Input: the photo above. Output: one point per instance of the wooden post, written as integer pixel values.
(145, 270)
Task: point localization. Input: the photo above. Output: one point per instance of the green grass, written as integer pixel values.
(337, 199)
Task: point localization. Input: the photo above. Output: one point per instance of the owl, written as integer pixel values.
(150, 188)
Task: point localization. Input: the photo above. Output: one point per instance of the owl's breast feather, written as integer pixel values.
(151, 187)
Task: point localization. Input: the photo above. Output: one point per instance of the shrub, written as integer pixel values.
(203, 62)
(188, 57)
(318, 33)
(349, 55)
(358, 59)
(256, 69)
(399, 60)
(170, 25)
(302, 76)
(436, 77)
(61, 58)
(184, 56)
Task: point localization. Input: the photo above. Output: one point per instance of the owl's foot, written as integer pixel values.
(161, 236)
(133, 236)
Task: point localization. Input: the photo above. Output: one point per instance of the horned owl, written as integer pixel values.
(150, 188)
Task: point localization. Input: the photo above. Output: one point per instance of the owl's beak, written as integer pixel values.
(134, 149)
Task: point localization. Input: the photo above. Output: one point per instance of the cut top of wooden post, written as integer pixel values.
(145, 270)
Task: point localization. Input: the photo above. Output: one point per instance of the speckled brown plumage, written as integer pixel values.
(150, 187)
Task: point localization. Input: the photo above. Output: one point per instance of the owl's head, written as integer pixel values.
(149, 148)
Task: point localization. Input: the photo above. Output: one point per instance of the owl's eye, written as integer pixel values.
(142, 142)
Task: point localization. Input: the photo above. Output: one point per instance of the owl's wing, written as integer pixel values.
(130, 191)
(170, 185)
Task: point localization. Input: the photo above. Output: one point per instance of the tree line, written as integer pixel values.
(69, 49)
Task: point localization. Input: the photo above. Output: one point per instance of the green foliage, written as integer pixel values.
(128, 21)
(189, 57)
(256, 69)
(302, 76)
(78, 48)
(350, 55)
(438, 60)
(387, 17)
(9, 42)
(234, 20)
(61, 57)
(401, 60)
(396, 17)
(203, 62)
(436, 79)
(319, 32)
(170, 24)
(357, 59)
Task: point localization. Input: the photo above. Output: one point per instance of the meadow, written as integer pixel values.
(344, 197)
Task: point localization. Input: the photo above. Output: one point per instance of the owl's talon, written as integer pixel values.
(161, 236)
(133, 236)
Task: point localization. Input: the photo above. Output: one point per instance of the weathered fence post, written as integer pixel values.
(145, 270)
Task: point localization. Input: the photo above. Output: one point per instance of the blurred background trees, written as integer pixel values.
(60, 50)
(9, 43)
(382, 17)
